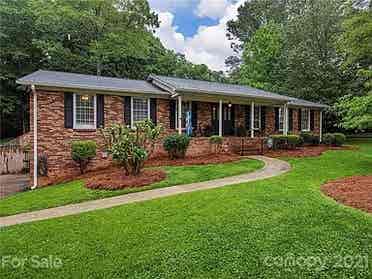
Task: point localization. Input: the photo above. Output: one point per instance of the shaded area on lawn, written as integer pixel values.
(354, 191)
(75, 191)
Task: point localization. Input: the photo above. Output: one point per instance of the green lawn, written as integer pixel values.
(74, 192)
(238, 231)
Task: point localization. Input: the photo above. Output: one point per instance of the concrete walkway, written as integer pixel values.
(273, 167)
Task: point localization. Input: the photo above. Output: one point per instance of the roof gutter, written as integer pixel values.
(35, 136)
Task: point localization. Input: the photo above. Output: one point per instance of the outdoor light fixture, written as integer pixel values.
(85, 97)
(230, 105)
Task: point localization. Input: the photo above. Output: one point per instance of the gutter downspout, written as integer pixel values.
(35, 136)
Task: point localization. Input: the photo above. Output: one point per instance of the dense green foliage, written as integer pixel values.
(176, 145)
(131, 147)
(240, 231)
(75, 191)
(317, 50)
(104, 37)
(337, 139)
(285, 142)
(309, 138)
(82, 151)
(355, 112)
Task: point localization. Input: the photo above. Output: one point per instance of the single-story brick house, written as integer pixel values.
(68, 106)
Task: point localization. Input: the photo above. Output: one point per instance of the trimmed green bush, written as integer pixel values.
(216, 139)
(82, 152)
(337, 139)
(216, 142)
(309, 138)
(176, 145)
(285, 142)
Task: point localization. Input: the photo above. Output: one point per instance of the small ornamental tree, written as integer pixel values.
(355, 112)
(82, 152)
(130, 147)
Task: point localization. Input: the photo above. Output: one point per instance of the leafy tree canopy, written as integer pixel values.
(105, 37)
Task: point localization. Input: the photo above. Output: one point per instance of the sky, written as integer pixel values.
(197, 28)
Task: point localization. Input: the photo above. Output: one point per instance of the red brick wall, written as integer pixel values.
(55, 140)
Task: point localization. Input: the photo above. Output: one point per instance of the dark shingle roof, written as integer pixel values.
(190, 85)
(168, 85)
(89, 82)
(304, 103)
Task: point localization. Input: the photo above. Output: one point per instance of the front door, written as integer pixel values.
(228, 119)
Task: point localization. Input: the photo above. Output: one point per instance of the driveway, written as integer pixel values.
(13, 183)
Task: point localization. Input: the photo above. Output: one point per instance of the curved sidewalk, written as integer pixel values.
(273, 167)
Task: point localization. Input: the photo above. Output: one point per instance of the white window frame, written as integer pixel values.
(281, 116)
(308, 120)
(84, 127)
(188, 103)
(259, 118)
(132, 109)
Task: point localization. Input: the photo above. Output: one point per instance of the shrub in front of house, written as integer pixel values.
(82, 152)
(336, 139)
(309, 138)
(216, 142)
(131, 147)
(285, 142)
(176, 145)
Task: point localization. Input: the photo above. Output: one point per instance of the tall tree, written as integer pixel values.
(262, 56)
(104, 37)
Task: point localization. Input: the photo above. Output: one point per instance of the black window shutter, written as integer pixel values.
(153, 110)
(172, 114)
(100, 111)
(127, 111)
(263, 117)
(299, 120)
(312, 120)
(194, 115)
(69, 114)
(276, 119)
(248, 117)
(290, 120)
(233, 115)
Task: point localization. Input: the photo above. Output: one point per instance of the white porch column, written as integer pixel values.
(285, 120)
(220, 119)
(35, 136)
(252, 120)
(179, 115)
(320, 125)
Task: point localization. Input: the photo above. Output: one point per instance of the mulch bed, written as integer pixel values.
(196, 160)
(305, 151)
(355, 191)
(156, 162)
(117, 179)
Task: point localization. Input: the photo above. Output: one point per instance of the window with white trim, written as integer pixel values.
(281, 119)
(305, 119)
(84, 111)
(257, 118)
(140, 109)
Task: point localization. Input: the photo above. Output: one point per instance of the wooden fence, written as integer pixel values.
(13, 159)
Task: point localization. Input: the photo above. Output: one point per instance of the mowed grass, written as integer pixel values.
(282, 227)
(75, 192)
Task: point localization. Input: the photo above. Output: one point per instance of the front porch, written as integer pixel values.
(228, 117)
